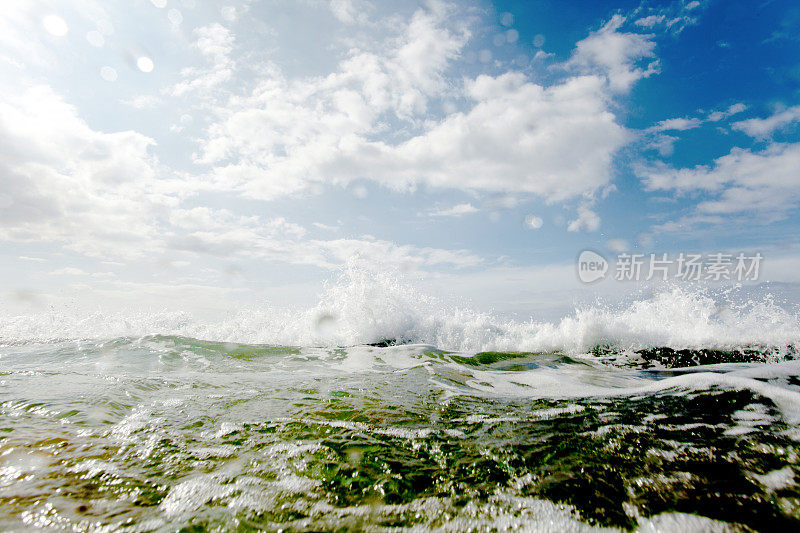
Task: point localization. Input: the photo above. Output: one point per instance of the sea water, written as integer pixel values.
(381, 409)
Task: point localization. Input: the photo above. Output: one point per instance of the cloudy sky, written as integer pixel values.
(190, 153)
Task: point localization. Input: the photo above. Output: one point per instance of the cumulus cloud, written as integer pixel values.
(215, 43)
(455, 211)
(623, 58)
(656, 138)
(377, 116)
(143, 101)
(556, 141)
(70, 183)
(650, 21)
(762, 128)
(618, 245)
(735, 109)
(69, 271)
(219, 232)
(105, 195)
(289, 133)
(587, 220)
(764, 182)
(349, 11)
(677, 124)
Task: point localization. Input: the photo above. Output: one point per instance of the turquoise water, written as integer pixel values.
(168, 432)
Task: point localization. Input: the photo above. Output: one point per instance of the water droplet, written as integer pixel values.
(499, 40)
(325, 325)
(145, 64)
(512, 36)
(175, 17)
(55, 25)
(108, 74)
(538, 41)
(533, 222)
(95, 38)
(105, 27)
(228, 13)
(507, 19)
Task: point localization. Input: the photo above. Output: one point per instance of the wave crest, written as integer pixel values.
(363, 308)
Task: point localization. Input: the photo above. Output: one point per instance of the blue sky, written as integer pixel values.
(190, 154)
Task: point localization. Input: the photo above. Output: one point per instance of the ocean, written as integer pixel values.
(380, 409)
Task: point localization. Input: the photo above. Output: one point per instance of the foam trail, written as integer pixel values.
(365, 308)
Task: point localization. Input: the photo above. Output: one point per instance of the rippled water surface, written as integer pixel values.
(160, 433)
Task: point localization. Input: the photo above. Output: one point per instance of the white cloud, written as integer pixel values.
(674, 17)
(743, 181)
(618, 245)
(144, 101)
(664, 144)
(215, 43)
(20, 36)
(513, 135)
(649, 21)
(221, 233)
(325, 227)
(556, 142)
(69, 271)
(688, 123)
(677, 124)
(587, 220)
(762, 128)
(617, 55)
(383, 254)
(103, 195)
(455, 211)
(72, 184)
(287, 133)
(735, 109)
(350, 11)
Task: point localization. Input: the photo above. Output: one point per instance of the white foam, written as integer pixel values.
(365, 308)
(566, 382)
(777, 479)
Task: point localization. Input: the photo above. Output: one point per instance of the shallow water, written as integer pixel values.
(166, 432)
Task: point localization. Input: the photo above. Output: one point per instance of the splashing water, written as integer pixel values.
(364, 308)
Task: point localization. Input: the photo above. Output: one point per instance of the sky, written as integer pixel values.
(203, 155)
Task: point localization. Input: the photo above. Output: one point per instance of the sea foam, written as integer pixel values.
(362, 308)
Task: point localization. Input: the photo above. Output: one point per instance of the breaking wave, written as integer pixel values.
(364, 308)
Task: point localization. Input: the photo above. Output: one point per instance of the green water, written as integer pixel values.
(167, 433)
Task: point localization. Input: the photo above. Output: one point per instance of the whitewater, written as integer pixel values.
(362, 307)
